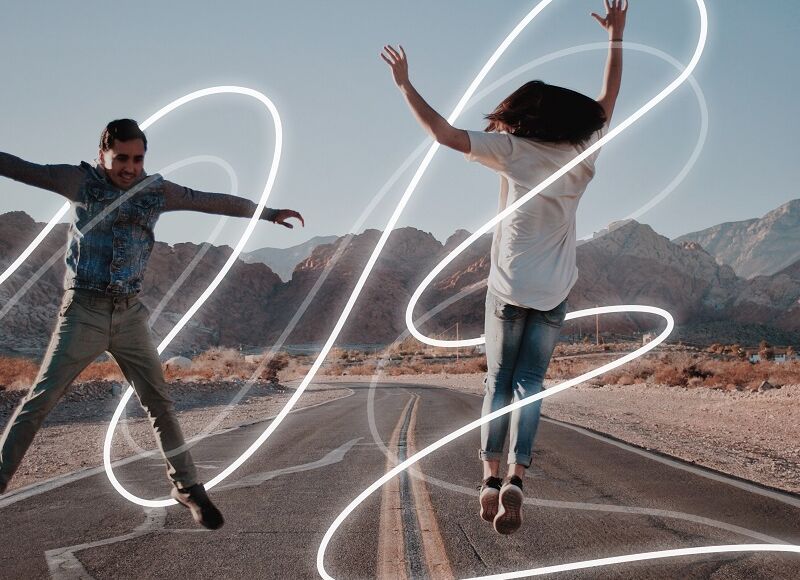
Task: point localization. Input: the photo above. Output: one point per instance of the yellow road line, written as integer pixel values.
(391, 548)
(433, 545)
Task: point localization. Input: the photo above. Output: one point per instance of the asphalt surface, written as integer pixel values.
(280, 503)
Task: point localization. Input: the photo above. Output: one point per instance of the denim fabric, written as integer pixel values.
(519, 344)
(111, 238)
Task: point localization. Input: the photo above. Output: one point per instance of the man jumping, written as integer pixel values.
(109, 242)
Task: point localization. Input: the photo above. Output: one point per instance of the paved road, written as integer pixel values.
(281, 502)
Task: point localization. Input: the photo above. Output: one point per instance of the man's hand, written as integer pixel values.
(284, 214)
(398, 63)
(614, 22)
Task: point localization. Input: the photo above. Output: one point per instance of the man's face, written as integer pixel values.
(124, 162)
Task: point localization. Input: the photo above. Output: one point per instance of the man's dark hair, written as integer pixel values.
(121, 130)
(545, 112)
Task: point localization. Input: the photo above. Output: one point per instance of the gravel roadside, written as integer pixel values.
(72, 436)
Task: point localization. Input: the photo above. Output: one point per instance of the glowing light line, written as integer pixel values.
(550, 180)
(35, 243)
(587, 312)
(500, 412)
(419, 150)
(375, 200)
(552, 504)
(701, 101)
(644, 556)
(217, 279)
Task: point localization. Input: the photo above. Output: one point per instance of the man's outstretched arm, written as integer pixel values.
(178, 197)
(62, 179)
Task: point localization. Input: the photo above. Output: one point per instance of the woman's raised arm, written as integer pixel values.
(614, 24)
(436, 125)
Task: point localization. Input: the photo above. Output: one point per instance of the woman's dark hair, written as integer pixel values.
(121, 130)
(545, 112)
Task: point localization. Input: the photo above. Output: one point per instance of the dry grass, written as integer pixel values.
(675, 367)
(688, 370)
(213, 364)
(227, 364)
(416, 365)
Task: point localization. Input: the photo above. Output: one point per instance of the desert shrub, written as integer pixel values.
(765, 351)
(277, 363)
(216, 363)
(625, 379)
(337, 353)
(406, 347)
(101, 371)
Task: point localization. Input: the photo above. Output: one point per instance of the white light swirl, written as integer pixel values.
(418, 151)
(217, 279)
(547, 182)
(35, 243)
(500, 412)
(643, 556)
(587, 312)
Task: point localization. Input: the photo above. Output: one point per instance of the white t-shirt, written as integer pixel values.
(533, 249)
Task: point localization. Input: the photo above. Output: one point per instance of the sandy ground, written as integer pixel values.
(754, 436)
(72, 436)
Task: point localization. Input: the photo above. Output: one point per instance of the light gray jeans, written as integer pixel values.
(88, 324)
(519, 344)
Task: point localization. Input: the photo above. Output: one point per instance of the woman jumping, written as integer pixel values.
(534, 132)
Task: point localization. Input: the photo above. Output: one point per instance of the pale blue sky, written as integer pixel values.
(71, 67)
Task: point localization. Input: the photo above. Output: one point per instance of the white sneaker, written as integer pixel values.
(490, 492)
(509, 512)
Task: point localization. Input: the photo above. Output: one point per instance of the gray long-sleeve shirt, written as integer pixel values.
(66, 180)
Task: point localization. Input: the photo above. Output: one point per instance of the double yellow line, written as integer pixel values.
(393, 561)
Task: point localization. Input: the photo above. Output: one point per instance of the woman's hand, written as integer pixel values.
(398, 62)
(614, 22)
(436, 125)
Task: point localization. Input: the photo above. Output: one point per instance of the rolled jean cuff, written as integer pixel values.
(490, 455)
(184, 483)
(519, 459)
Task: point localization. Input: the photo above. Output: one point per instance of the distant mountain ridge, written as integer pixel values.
(754, 247)
(282, 261)
(630, 264)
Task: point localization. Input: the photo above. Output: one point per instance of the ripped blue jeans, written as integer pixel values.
(519, 344)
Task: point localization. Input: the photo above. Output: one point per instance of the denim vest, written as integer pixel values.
(111, 235)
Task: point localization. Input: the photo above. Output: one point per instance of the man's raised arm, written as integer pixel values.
(62, 179)
(178, 197)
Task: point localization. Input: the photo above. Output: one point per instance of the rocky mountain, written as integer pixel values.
(755, 247)
(236, 313)
(630, 264)
(282, 261)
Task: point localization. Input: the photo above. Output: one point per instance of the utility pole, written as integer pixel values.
(597, 327)
(456, 341)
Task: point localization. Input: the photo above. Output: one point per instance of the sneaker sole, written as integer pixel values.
(489, 501)
(509, 513)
